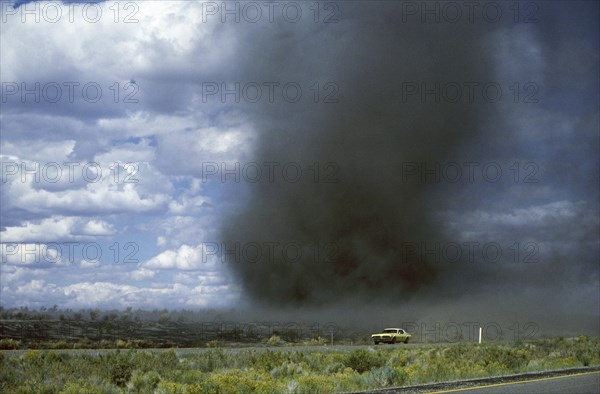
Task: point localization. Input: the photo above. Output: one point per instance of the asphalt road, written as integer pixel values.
(582, 383)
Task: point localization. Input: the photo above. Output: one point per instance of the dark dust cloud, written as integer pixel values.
(362, 222)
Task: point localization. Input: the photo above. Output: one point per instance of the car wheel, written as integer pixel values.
(393, 341)
(376, 342)
(406, 340)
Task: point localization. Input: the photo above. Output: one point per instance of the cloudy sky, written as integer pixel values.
(131, 134)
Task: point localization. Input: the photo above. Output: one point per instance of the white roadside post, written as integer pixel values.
(479, 335)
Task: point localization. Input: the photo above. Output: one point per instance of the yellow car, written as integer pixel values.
(391, 335)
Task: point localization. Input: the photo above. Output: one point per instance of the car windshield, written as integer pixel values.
(389, 331)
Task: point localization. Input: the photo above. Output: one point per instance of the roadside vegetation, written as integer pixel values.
(284, 370)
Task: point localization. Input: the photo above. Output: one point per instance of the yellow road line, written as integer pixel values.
(509, 383)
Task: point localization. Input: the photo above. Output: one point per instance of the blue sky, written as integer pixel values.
(163, 216)
(157, 218)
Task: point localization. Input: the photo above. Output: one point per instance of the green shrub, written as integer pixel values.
(315, 384)
(211, 360)
(585, 357)
(386, 377)
(215, 343)
(168, 358)
(9, 344)
(287, 369)
(363, 360)
(236, 381)
(138, 344)
(275, 340)
(32, 358)
(188, 376)
(51, 357)
(266, 361)
(143, 382)
(334, 367)
(120, 367)
(172, 388)
(319, 341)
(82, 388)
